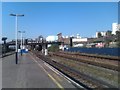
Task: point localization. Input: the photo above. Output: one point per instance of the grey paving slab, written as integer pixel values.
(29, 74)
(26, 74)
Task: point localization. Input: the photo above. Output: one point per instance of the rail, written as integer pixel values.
(84, 80)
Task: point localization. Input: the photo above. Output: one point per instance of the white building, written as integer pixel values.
(79, 40)
(52, 38)
(114, 28)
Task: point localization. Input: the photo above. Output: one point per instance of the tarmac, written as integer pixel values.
(31, 72)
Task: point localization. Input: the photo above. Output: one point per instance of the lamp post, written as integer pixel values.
(16, 34)
(23, 42)
(21, 32)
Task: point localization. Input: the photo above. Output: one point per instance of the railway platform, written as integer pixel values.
(31, 72)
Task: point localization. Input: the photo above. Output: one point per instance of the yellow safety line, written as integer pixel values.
(56, 82)
(57, 77)
(49, 75)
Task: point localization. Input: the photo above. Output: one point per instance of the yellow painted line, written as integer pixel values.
(56, 82)
(49, 75)
(57, 77)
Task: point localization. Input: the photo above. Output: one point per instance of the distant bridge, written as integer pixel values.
(40, 45)
(36, 43)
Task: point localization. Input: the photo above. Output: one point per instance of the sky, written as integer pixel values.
(51, 18)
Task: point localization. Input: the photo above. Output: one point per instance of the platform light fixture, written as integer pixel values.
(16, 34)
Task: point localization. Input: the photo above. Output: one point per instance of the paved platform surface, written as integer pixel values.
(31, 72)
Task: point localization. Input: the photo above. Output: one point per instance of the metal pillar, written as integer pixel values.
(16, 33)
(71, 44)
(46, 50)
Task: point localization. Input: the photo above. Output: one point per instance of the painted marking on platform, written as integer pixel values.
(62, 75)
(51, 68)
(56, 71)
(48, 74)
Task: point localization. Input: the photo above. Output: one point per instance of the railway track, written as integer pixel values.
(97, 61)
(85, 80)
(114, 58)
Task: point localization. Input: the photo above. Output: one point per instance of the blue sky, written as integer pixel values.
(50, 18)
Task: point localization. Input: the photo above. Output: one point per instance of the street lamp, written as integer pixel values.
(23, 42)
(21, 32)
(16, 32)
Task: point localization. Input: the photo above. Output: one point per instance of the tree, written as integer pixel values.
(108, 38)
(99, 35)
(109, 33)
(107, 41)
(53, 48)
